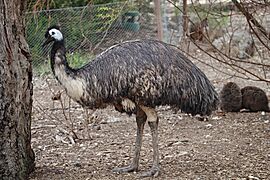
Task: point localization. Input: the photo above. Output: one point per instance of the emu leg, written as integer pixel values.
(154, 171)
(140, 119)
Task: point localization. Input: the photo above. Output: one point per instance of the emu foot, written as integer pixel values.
(153, 172)
(129, 168)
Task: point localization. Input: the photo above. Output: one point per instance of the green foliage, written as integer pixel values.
(58, 4)
(106, 1)
(68, 3)
(83, 28)
(77, 60)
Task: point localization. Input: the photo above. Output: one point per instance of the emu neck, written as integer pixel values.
(59, 64)
(65, 75)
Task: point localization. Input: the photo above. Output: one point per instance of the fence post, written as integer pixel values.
(158, 19)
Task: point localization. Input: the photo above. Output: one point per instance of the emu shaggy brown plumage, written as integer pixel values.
(230, 98)
(135, 77)
(254, 99)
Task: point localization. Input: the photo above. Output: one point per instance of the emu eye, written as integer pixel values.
(53, 33)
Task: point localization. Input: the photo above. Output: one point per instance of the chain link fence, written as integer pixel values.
(88, 30)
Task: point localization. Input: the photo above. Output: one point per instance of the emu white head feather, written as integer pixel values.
(56, 34)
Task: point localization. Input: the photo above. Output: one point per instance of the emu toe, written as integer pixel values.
(125, 169)
(153, 172)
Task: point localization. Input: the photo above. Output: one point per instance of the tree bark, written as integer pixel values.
(16, 155)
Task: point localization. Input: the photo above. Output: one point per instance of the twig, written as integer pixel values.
(250, 18)
(232, 61)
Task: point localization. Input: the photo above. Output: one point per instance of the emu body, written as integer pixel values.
(148, 73)
(135, 77)
(230, 97)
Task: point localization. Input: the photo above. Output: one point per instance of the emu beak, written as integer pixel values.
(48, 40)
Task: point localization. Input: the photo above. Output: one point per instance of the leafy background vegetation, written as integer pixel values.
(83, 27)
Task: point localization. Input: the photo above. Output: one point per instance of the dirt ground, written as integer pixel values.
(227, 146)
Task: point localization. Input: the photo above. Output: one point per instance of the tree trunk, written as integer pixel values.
(185, 18)
(16, 155)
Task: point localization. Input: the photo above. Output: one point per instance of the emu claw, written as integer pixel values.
(153, 172)
(129, 168)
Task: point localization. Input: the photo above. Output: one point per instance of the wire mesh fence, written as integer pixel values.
(88, 30)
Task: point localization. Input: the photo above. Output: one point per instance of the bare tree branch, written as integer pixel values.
(250, 18)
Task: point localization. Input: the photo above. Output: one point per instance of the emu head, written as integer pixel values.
(53, 34)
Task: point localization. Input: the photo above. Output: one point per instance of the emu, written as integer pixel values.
(135, 77)
(230, 98)
(254, 99)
